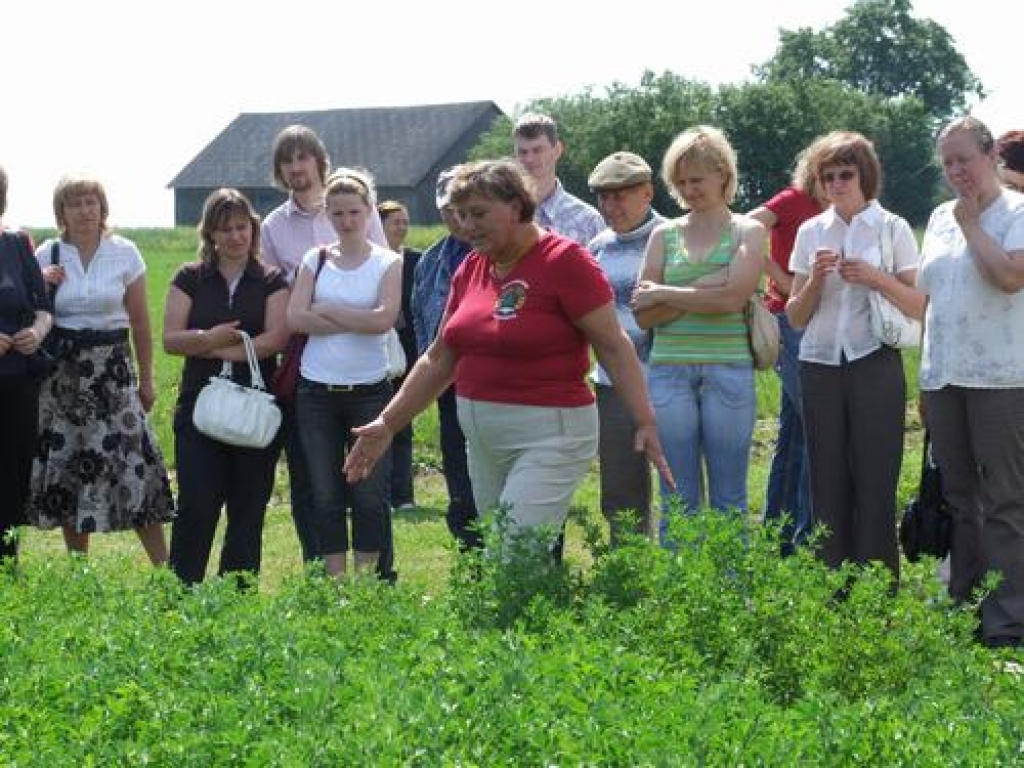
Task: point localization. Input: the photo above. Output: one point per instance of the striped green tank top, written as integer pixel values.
(699, 337)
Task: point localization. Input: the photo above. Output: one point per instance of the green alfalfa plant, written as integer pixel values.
(495, 585)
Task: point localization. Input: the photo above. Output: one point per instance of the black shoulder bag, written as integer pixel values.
(927, 524)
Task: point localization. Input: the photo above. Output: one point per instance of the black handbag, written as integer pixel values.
(927, 524)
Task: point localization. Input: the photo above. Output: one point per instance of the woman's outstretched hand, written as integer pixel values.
(372, 440)
(646, 441)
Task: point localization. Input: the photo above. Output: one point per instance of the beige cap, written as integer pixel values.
(619, 170)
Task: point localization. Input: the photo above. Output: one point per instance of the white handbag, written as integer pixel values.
(235, 414)
(396, 355)
(888, 323)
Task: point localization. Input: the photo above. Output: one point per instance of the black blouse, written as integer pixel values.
(212, 305)
(22, 293)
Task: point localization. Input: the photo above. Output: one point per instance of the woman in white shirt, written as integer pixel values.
(347, 303)
(972, 373)
(99, 467)
(854, 391)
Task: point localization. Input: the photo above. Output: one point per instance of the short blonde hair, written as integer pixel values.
(707, 148)
(75, 185)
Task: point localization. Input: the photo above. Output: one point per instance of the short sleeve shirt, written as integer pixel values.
(515, 336)
(93, 297)
(841, 325)
(213, 304)
(974, 332)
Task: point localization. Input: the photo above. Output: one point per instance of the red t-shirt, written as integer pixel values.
(514, 336)
(792, 207)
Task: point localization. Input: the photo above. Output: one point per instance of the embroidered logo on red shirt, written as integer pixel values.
(511, 298)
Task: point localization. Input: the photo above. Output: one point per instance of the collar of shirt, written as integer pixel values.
(292, 208)
(253, 269)
(872, 216)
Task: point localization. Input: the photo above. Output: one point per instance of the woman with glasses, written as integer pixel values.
(854, 391)
(972, 371)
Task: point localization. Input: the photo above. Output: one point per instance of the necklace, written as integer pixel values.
(500, 270)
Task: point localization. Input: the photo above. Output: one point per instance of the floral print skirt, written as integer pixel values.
(98, 466)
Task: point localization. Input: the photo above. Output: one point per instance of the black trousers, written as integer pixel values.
(19, 413)
(462, 513)
(213, 475)
(854, 415)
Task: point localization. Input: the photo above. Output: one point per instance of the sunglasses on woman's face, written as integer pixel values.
(830, 176)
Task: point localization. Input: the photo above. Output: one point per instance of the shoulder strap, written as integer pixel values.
(888, 236)
(55, 253)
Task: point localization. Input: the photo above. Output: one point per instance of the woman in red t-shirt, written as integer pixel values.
(525, 308)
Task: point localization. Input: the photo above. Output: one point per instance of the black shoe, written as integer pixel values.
(1004, 641)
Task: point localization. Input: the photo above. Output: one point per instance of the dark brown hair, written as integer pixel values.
(501, 180)
(1010, 147)
(299, 138)
(533, 125)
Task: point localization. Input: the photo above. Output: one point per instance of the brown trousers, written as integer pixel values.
(854, 416)
(978, 443)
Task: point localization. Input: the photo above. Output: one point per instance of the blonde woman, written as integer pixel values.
(98, 467)
(346, 303)
(699, 271)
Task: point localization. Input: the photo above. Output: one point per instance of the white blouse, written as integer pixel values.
(93, 298)
(974, 332)
(348, 357)
(841, 324)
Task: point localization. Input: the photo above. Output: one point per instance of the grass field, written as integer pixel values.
(423, 554)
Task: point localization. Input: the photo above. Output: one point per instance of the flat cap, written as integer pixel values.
(619, 170)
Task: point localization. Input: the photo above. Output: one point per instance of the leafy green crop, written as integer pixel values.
(717, 653)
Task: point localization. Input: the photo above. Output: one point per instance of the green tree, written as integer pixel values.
(642, 119)
(880, 48)
(769, 123)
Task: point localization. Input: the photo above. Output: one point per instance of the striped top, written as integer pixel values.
(699, 337)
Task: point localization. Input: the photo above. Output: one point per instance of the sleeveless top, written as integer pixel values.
(697, 338)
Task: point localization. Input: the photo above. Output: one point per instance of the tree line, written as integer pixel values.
(879, 70)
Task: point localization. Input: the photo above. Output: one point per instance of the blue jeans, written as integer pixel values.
(326, 417)
(705, 419)
(789, 490)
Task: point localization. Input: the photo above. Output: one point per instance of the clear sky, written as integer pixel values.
(133, 89)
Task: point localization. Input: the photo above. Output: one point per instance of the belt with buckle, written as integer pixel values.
(353, 388)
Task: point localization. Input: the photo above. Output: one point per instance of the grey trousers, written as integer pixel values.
(625, 473)
(978, 443)
(854, 415)
(528, 458)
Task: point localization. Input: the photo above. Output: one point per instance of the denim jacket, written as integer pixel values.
(432, 281)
